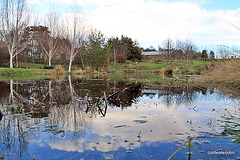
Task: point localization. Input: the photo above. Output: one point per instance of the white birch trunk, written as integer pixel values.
(11, 60)
(70, 64)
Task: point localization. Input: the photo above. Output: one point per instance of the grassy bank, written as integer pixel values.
(194, 67)
(181, 67)
(20, 71)
(23, 74)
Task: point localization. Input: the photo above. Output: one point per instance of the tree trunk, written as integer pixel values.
(11, 95)
(70, 65)
(49, 61)
(82, 61)
(16, 61)
(114, 55)
(11, 60)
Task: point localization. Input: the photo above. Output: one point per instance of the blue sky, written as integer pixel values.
(152, 21)
(222, 4)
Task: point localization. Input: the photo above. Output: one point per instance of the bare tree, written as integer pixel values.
(187, 46)
(73, 34)
(14, 20)
(50, 40)
(168, 44)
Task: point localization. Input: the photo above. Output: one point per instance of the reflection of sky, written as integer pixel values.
(152, 122)
(147, 128)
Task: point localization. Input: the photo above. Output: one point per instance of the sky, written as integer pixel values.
(150, 22)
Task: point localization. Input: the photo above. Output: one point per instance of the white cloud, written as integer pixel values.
(150, 22)
(104, 3)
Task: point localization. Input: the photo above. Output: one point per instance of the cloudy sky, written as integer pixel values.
(151, 21)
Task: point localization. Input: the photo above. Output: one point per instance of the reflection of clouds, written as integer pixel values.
(119, 128)
(103, 144)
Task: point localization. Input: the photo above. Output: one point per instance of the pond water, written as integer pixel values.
(71, 119)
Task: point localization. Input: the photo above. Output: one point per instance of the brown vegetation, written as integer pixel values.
(121, 58)
(225, 74)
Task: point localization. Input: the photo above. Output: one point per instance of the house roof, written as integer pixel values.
(152, 53)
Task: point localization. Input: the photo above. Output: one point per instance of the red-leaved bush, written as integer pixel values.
(121, 58)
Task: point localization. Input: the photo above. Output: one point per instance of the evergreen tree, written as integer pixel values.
(96, 50)
(125, 45)
(204, 55)
(212, 55)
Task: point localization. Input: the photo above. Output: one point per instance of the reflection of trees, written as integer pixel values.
(126, 94)
(70, 105)
(26, 103)
(1, 116)
(37, 97)
(13, 138)
(179, 95)
(71, 117)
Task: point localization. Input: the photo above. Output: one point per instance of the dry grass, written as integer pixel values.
(168, 70)
(226, 74)
(95, 72)
(88, 69)
(79, 71)
(59, 70)
(156, 71)
(137, 67)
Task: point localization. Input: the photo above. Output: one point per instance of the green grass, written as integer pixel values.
(153, 66)
(194, 66)
(133, 77)
(25, 77)
(31, 65)
(20, 71)
(23, 74)
(150, 66)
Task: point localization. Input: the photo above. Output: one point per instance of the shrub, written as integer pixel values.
(121, 58)
(48, 67)
(128, 62)
(169, 72)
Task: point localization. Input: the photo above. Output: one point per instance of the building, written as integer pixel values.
(153, 55)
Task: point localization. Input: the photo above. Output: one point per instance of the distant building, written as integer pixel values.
(153, 55)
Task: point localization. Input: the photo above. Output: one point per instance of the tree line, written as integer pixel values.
(68, 40)
(171, 50)
(60, 40)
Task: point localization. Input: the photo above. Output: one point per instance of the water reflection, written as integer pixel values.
(175, 94)
(103, 117)
(125, 95)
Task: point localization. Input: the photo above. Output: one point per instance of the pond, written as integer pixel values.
(112, 118)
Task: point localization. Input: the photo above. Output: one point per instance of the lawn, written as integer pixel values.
(20, 71)
(194, 66)
(30, 65)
